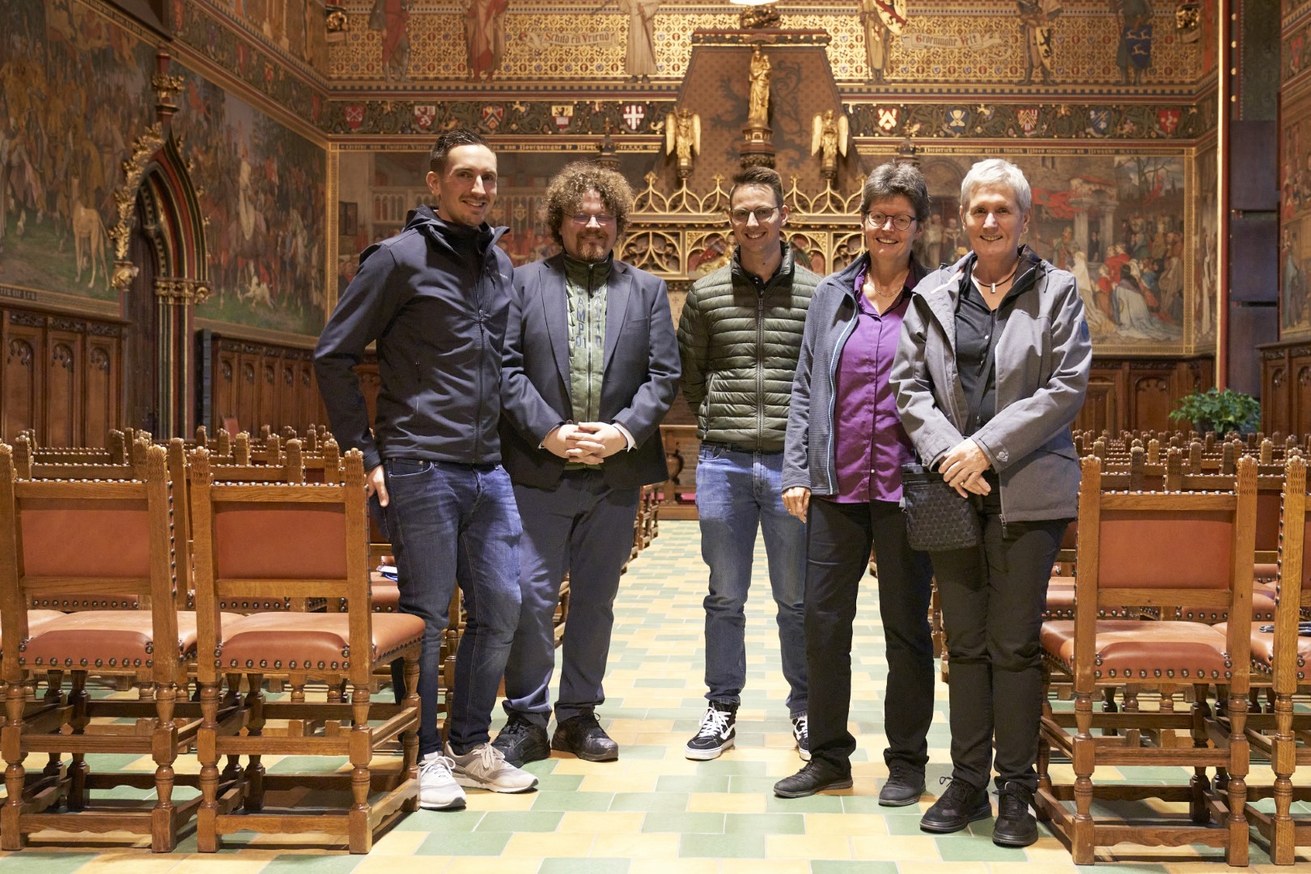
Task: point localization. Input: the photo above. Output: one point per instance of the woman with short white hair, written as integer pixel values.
(990, 372)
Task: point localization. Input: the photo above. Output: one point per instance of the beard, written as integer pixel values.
(592, 249)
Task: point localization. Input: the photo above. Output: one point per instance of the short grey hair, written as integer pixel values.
(995, 171)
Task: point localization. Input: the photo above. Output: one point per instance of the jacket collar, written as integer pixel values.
(782, 276)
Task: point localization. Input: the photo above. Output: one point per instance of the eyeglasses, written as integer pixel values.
(583, 219)
(762, 214)
(901, 221)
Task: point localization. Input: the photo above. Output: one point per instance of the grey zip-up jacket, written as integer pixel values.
(808, 453)
(1041, 362)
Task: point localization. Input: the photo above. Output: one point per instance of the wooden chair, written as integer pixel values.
(261, 540)
(1282, 657)
(75, 539)
(1158, 550)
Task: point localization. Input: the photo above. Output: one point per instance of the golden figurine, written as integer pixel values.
(683, 138)
(758, 96)
(829, 135)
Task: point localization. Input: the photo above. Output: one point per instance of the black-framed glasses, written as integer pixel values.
(583, 219)
(900, 221)
(763, 214)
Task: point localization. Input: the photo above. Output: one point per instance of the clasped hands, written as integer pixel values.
(963, 467)
(585, 442)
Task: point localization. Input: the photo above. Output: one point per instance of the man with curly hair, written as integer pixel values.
(591, 366)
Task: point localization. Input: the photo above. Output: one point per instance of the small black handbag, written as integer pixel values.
(937, 518)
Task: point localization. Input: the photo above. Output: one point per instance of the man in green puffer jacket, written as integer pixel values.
(739, 337)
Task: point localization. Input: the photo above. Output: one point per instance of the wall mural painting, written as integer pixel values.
(264, 198)
(380, 188)
(1206, 250)
(1295, 219)
(73, 88)
(1115, 221)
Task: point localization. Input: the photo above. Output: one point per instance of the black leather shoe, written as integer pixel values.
(816, 776)
(1016, 826)
(583, 736)
(522, 741)
(959, 806)
(904, 787)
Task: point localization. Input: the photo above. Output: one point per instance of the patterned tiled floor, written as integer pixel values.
(654, 811)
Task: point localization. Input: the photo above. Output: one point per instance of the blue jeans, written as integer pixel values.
(737, 493)
(456, 523)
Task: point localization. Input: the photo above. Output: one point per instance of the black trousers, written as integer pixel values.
(839, 539)
(992, 601)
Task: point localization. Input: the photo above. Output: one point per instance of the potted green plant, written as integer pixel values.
(1220, 411)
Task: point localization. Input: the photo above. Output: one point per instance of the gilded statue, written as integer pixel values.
(683, 138)
(829, 135)
(758, 96)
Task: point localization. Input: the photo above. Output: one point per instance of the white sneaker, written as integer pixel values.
(437, 788)
(485, 767)
(801, 734)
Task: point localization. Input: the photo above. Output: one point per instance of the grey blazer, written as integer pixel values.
(1042, 359)
(639, 381)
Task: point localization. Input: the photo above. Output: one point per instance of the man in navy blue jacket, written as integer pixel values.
(435, 298)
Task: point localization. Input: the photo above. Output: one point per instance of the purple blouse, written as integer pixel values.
(870, 445)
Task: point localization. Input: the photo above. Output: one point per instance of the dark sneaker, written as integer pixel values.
(716, 733)
(904, 787)
(801, 734)
(815, 776)
(522, 741)
(583, 736)
(959, 806)
(1016, 826)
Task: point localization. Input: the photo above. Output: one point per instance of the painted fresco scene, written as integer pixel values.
(1295, 227)
(264, 198)
(378, 189)
(1115, 222)
(73, 85)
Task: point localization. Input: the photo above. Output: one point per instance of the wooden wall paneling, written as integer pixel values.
(1299, 420)
(288, 396)
(63, 387)
(226, 377)
(248, 384)
(1151, 401)
(1276, 390)
(1101, 404)
(270, 367)
(24, 350)
(310, 404)
(102, 385)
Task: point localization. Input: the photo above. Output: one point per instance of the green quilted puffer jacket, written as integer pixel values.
(739, 340)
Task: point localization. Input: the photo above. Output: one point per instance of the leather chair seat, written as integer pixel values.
(104, 639)
(1263, 608)
(1130, 649)
(1263, 650)
(37, 619)
(310, 641)
(386, 595)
